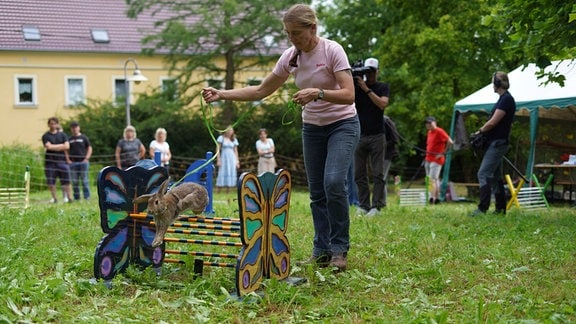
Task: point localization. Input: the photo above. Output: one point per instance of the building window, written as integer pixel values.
(31, 33)
(75, 91)
(119, 91)
(170, 88)
(25, 90)
(100, 35)
(215, 83)
(254, 82)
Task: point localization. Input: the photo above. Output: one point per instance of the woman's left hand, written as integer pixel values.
(304, 96)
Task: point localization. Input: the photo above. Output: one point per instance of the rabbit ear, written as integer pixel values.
(163, 188)
(141, 199)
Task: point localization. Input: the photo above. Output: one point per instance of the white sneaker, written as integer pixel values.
(373, 212)
(361, 211)
(53, 201)
(65, 200)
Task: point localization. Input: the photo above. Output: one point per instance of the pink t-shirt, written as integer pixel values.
(316, 70)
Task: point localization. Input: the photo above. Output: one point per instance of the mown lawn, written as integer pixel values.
(410, 264)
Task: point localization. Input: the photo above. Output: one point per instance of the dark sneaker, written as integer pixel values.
(436, 201)
(477, 212)
(339, 261)
(321, 261)
(499, 212)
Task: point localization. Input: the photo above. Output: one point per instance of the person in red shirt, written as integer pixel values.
(438, 142)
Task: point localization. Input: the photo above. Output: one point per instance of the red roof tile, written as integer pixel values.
(65, 25)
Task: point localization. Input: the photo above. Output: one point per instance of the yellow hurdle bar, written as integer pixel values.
(212, 220)
(204, 254)
(204, 242)
(193, 232)
(206, 263)
(195, 218)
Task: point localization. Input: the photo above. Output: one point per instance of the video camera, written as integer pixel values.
(358, 69)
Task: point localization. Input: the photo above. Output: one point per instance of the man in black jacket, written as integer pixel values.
(371, 100)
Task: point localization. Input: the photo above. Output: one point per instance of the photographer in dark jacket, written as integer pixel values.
(371, 100)
(497, 131)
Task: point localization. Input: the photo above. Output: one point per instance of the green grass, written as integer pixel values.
(412, 264)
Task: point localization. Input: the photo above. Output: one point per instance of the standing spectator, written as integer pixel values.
(129, 149)
(227, 160)
(497, 131)
(56, 144)
(65, 196)
(391, 153)
(371, 100)
(330, 127)
(79, 160)
(159, 144)
(265, 148)
(438, 142)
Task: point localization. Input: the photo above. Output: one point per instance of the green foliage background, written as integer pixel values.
(431, 53)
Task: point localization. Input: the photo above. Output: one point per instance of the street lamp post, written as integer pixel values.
(136, 77)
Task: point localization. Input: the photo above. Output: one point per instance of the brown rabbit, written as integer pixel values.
(166, 207)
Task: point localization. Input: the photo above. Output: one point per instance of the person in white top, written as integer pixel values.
(330, 128)
(265, 148)
(160, 145)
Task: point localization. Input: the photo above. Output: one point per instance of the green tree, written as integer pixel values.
(539, 30)
(246, 34)
(431, 53)
(435, 53)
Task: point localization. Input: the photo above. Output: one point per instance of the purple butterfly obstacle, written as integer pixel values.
(258, 234)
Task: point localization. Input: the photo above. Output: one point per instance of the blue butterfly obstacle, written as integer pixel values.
(264, 250)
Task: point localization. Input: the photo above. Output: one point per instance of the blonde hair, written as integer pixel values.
(300, 14)
(160, 131)
(129, 128)
(230, 128)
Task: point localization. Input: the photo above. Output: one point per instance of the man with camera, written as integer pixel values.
(371, 100)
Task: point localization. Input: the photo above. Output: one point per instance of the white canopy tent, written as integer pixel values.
(534, 99)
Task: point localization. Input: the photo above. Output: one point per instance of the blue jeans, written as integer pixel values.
(328, 153)
(490, 176)
(79, 175)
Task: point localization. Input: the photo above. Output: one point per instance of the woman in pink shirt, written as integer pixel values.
(330, 128)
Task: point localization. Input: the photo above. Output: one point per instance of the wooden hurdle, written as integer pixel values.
(525, 197)
(258, 234)
(17, 197)
(192, 225)
(411, 197)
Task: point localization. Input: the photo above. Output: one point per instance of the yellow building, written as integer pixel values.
(38, 85)
(55, 54)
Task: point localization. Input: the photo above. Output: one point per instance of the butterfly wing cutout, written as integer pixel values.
(264, 203)
(127, 240)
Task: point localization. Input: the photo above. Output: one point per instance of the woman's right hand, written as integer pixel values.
(211, 94)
